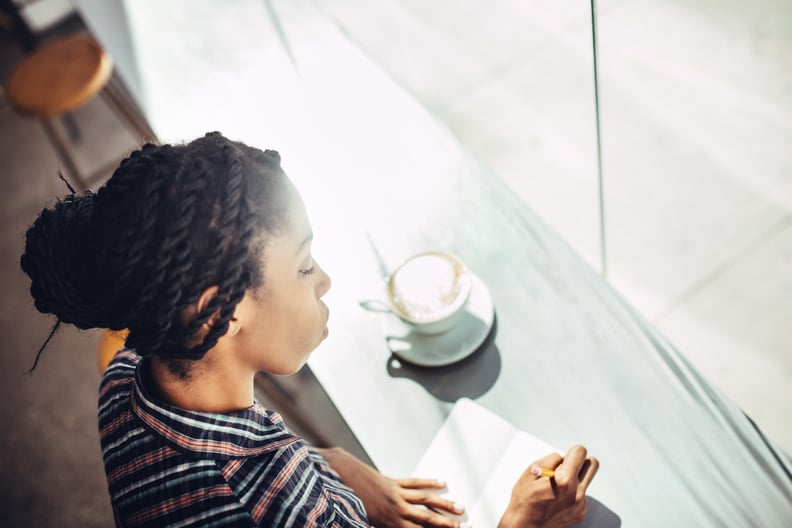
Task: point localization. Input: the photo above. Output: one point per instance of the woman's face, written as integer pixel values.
(284, 320)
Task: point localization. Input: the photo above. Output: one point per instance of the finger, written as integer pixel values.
(584, 468)
(432, 500)
(404, 523)
(554, 487)
(570, 468)
(426, 517)
(420, 483)
(591, 466)
(550, 461)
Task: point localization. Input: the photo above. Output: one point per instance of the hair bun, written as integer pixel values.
(55, 257)
(171, 222)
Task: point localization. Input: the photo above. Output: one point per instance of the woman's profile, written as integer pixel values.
(203, 252)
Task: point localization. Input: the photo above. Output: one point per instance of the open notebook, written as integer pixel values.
(480, 455)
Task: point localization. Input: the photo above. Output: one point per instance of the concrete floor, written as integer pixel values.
(698, 191)
(51, 469)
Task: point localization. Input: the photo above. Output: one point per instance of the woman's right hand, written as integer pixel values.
(556, 502)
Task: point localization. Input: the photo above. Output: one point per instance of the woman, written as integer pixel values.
(203, 251)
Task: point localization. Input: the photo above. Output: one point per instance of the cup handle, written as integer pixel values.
(375, 305)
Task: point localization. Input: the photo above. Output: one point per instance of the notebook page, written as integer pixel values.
(494, 497)
(465, 450)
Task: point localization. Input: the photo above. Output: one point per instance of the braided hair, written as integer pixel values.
(171, 222)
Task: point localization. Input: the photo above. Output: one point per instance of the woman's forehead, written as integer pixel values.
(296, 227)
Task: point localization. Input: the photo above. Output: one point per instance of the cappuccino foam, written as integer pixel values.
(425, 286)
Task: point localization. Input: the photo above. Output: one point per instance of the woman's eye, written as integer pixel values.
(308, 271)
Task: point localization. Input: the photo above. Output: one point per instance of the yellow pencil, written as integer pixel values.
(542, 472)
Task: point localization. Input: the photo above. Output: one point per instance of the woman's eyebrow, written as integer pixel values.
(305, 241)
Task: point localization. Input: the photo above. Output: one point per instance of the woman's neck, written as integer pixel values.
(209, 386)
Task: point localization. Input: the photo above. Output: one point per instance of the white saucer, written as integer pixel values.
(443, 349)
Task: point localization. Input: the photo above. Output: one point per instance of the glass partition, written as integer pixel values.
(512, 80)
(696, 99)
(695, 102)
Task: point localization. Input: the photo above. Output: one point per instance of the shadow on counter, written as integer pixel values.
(469, 378)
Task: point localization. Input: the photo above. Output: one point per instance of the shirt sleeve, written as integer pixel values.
(293, 486)
(348, 506)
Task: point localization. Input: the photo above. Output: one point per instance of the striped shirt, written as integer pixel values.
(167, 466)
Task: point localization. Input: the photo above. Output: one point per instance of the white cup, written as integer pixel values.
(428, 292)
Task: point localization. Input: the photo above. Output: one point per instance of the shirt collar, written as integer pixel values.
(244, 433)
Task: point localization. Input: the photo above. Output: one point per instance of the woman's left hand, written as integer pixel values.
(393, 502)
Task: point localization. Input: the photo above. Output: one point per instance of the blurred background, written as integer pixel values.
(695, 103)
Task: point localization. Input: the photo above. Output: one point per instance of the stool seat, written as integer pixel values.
(110, 343)
(59, 77)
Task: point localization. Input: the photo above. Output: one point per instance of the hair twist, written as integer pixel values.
(171, 222)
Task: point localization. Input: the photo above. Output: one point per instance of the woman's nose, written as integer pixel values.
(323, 281)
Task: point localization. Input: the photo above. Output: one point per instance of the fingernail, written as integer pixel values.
(440, 482)
(458, 507)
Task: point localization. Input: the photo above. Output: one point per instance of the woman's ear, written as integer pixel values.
(192, 311)
(234, 326)
(235, 323)
(203, 301)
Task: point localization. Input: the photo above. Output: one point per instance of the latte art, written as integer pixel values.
(426, 287)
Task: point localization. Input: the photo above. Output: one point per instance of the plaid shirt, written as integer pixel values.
(167, 466)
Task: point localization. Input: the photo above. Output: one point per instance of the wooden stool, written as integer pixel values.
(60, 77)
